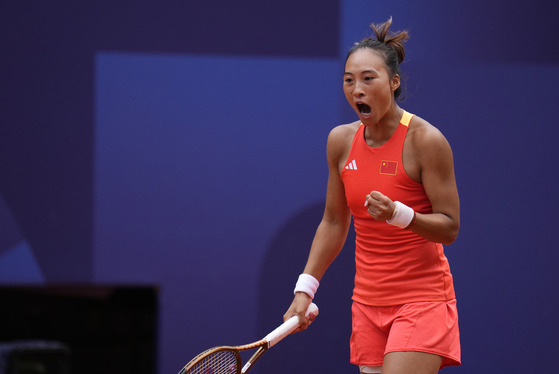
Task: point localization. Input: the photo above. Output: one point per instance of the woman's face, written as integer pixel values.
(368, 87)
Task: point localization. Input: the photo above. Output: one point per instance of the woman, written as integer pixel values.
(393, 172)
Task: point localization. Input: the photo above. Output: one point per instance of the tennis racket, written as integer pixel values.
(227, 360)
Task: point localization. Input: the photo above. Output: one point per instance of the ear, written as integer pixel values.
(394, 82)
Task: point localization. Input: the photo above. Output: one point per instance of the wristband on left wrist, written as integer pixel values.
(403, 216)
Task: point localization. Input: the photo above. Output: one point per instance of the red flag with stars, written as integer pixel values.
(388, 167)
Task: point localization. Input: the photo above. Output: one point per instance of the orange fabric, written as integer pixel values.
(430, 327)
(393, 266)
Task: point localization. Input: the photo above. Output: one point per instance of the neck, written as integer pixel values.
(379, 133)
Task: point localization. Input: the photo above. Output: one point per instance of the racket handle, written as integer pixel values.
(288, 327)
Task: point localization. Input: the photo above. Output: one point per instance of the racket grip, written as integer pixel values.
(288, 327)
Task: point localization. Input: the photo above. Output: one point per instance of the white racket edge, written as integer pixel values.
(288, 327)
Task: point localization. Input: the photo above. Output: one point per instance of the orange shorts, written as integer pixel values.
(430, 327)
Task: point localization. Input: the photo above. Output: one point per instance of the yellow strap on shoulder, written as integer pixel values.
(406, 118)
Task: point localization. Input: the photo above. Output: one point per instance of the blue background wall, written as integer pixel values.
(182, 145)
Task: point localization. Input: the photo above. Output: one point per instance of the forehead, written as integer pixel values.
(365, 59)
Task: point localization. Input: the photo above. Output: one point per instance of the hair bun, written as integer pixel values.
(393, 40)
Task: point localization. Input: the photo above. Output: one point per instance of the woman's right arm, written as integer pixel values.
(333, 228)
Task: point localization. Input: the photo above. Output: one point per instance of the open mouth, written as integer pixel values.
(364, 109)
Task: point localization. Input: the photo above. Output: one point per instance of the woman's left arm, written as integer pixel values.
(436, 163)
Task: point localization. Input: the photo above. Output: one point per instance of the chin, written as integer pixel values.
(368, 121)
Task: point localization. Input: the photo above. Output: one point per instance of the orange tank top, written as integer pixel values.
(394, 266)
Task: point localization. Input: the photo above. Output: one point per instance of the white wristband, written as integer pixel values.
(307, 284)
(403, 215)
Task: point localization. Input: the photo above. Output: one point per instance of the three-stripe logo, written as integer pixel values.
(351, 166)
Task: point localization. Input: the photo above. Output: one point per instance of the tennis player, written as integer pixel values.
(393, 172)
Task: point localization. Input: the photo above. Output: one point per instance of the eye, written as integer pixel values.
(367, 79)
(348, 80)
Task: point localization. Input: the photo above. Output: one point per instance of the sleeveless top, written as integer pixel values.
(394, 266)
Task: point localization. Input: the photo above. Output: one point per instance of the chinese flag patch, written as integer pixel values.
(388, 167)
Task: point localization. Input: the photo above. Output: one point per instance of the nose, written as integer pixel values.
(358, 89)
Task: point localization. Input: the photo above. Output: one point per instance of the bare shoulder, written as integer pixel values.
(340, 139)
(426, 138)
(342, 134)
(344, 131)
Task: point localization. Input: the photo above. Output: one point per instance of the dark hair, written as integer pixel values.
(389, 45)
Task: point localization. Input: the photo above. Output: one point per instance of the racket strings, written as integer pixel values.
(220, 362)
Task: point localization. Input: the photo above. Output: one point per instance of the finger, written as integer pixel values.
(302, 326)
(377, 196)
(287, 316)
(311, 318)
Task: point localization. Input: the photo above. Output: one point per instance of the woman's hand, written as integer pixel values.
(379, 206)
(298, 308)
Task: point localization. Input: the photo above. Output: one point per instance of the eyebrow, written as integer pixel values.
(363, 72)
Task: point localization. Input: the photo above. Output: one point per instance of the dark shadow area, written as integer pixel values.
(101, 329)
(329, 335)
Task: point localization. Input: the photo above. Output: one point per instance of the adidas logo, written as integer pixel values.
(351, 166)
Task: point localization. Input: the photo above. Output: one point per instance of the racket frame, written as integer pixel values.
(263, 345)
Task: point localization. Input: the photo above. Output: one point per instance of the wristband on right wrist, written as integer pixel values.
(307, 284)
